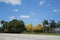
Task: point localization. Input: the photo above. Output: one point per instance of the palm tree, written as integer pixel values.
(45, 23)
(52, 25)
(2, 21)
(5, 26)
(58, 24)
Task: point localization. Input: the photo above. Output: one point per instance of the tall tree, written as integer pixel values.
(4, 23)
(45, 23)
(58, 24)
(14, 26)
(52, 25)
(37, 28)
(29, 27)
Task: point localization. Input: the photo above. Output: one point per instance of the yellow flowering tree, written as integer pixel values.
(29, 27)
(37, 28)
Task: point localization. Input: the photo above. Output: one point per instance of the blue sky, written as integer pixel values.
(30, 11)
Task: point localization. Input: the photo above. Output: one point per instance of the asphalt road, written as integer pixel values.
(27, 37)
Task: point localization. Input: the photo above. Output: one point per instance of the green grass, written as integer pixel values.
(56, 34)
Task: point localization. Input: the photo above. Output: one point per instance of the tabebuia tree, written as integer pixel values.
(13, 26)
(37, 28)
(29, 27)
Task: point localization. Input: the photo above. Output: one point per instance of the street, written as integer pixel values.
(27, 37)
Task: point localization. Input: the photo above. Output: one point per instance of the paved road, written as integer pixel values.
(27, 37)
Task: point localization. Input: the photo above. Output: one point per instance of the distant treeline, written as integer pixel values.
(46, 26)
(18, 26)
(14, 26)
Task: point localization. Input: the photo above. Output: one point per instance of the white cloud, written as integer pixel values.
(16, 10)
(13, 2)
(42, 2)
(24, 16)
(12, 17)
(55, 10)
(32, 13)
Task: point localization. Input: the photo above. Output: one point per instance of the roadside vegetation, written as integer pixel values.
(14, 26)
(18, 26)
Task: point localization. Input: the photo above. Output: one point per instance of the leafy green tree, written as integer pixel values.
(14, 26)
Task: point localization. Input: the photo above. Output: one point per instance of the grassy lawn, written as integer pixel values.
(56, 34)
